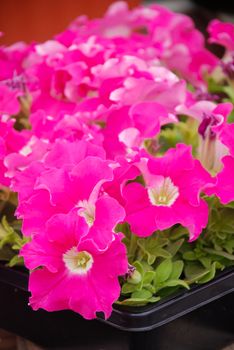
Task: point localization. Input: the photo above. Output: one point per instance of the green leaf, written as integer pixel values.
(194, 272)
(209, 276)
(177, 269)
(6, 226)
(214, 86)
(143, 246)
(153, 299)
(230, 205)
(178, 232)
(231, 116)
(148, 277)
(152, 248)
(162, 272)
(150, 288)
(205, 261)
(220, 253)
(173, 247)
(138, 301)
(162, 253)
(230, 92)
(142, 294)
(139, 267)
(133, 302)
(175, 283)
(229, 246)
(189, 255)
(128, 288)
(146, 266)
(222, 220)
(16, 260)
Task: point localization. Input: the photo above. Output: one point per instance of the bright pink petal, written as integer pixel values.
(108, 213)
(224, 188)
(195, 218)
(89, 173)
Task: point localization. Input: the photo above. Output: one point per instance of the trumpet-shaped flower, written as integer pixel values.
(74, 272)
(171, 194)
(59, 191)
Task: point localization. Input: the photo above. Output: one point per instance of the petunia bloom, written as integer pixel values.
(171, 194)
(223, 187)
(74, 272)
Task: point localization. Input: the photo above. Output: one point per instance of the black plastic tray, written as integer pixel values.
(152, 316)
(199, 319)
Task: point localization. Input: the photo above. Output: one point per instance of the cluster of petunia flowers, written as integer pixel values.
(80, 120)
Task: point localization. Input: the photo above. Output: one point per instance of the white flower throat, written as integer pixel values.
(87, 211)
(78, 262)
(164, 194)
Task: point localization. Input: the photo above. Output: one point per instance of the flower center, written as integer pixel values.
(87, 211)
(165, 194)
(78, 262)
(205, 127)
(228, 67)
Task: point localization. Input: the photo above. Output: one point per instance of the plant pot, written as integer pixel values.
(200, 319)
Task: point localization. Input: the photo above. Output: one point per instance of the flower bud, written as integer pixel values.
(134, 278)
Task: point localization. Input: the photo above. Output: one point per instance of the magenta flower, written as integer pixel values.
(128, 128)
(26, 166)
(227, 137)
(224, 188)
(171, 194)
(59, 191)
(9, 103)
(75, 273)
(10, 141)
(212, 120)
(85, 119)
(12, 60)
(222, 33)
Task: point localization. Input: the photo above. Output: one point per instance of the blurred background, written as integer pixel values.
(39, 20)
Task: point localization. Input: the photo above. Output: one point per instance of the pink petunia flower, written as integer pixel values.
(9, 103)
(76, 274)
(59, 191)
(10, 141)
(223, 187)
(212, 120)
(171, 194)
(222, 33)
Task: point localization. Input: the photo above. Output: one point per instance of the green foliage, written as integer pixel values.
(166, 262)
(11, 242)
(185, 131)
(222, 88)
